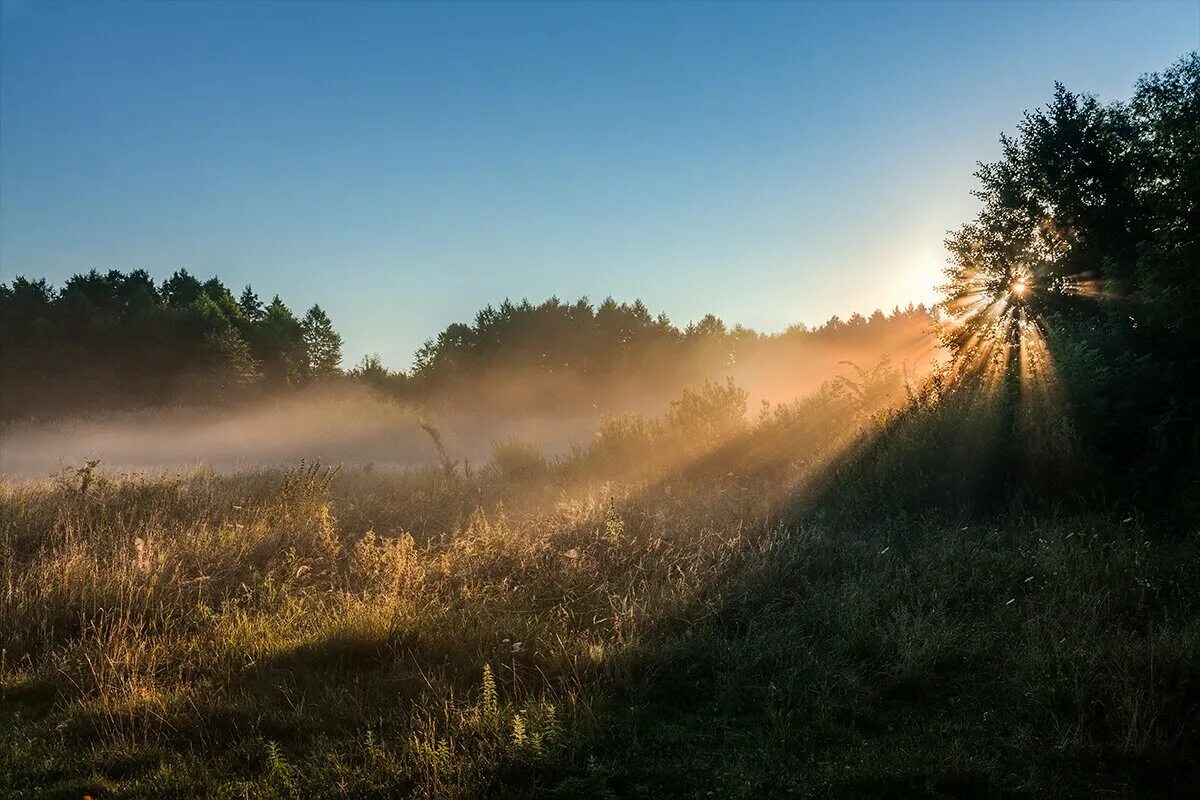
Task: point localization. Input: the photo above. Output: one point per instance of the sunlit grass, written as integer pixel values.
(585, 624)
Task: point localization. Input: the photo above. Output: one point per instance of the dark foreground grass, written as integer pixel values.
(1034, 660)
(533, 630)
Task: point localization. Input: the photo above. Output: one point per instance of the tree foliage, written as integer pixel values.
(115, 340)
(323, 344)
(588, 348)
(1080, 275)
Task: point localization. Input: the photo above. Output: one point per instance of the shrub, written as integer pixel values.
(709, 415)
(625, 437)
(516, 459)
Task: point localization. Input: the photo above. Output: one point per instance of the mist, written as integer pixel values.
(351, 424)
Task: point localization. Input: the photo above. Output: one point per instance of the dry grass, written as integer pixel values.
(215, 614)
(539, 626)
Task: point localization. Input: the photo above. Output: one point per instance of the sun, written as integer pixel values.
(1020, 288)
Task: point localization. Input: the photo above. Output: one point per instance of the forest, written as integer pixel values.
(961, 561)
(114, 341)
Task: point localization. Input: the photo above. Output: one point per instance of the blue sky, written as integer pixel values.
(404, 165)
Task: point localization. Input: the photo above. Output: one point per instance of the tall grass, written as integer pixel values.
(644, 617)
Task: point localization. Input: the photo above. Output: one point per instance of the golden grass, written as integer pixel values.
(301, 633)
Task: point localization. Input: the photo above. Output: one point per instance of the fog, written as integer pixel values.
(350, 425)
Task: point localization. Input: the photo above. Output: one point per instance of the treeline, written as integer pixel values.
(116, 340)
(574, 351)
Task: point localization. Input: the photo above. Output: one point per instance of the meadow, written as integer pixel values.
(575, 549)
(803, 603)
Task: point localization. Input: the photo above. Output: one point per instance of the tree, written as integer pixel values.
(223, 298)
(1166, 114)
(231, 366)
(278, 343)
(181, 289)
(323, 343)
(373, 373)
(1078, 278)
(252, 307)
(1087, 203)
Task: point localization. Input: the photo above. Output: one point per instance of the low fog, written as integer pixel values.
(351, 425)
(348, 426)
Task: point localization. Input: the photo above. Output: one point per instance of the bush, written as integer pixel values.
(515, 459)
(625, 437)
(710, 415)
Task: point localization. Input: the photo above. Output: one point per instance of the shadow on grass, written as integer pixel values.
(913, 645)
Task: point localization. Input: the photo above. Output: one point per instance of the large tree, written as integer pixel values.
(1079, 276)
(1090, 208)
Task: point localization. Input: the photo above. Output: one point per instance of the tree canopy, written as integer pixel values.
(1081, 272)
(116, 340)
(112, 340)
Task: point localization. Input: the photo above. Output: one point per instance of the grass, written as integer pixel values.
(619, 622)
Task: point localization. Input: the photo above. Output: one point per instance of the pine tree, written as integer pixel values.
(252, 307)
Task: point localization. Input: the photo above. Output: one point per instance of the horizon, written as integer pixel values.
(405, 166)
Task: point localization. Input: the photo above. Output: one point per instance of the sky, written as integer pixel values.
(404, 165)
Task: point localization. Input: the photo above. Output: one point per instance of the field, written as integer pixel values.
(691, 606)
(546, 479)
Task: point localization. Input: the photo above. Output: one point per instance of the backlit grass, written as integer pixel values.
(630, 620)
